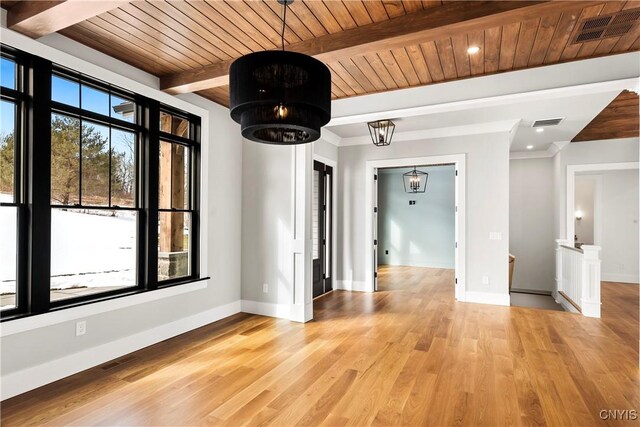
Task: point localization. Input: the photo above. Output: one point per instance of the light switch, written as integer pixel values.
(495, 235)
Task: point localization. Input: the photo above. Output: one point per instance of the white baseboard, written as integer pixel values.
(37, 376)
(282, 311)
(621, 278)
(487, 298)
(564, 303)
(352, 285)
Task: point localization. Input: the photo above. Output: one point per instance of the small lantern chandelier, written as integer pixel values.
(415, 181)
(280, 97)
(381, 132)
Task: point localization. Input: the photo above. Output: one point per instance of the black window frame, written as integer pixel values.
(192, 142)
(19, 97)
(35, 205)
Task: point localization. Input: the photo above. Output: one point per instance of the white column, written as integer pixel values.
(590, 303)
(302, 304)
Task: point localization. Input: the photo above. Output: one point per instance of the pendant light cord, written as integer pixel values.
(284, 21)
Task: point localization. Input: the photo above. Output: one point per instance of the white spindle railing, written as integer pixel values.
(578, 277)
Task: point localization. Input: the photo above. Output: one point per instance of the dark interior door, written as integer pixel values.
(321, 228)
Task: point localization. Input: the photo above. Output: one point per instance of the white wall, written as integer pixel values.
(267, 233)
(584, 202)
(420, 235)
(46, 348)
(620, 226)
(487, 158)
(531, 224)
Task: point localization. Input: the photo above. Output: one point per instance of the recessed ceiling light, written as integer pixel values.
(529, 147)
(473, 50)
(539, 130)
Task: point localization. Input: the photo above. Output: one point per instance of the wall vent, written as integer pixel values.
(604, 26)
(547, 122)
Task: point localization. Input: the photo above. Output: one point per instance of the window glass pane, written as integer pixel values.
(7, 156)
(123, 109)
(92, 251)
(65, 160)
(8, 266)
(123, 168)
(174, 176)
(8, 73)
(95, 164)
(174, 125)
(174, 245)
(65, 91)
(95, 100)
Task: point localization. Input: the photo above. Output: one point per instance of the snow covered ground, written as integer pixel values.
(87, 250)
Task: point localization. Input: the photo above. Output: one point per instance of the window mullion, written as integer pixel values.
(39, 181)
(151, 192)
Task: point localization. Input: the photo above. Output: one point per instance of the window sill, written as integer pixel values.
(24, 324)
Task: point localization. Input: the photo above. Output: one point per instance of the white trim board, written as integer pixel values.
(488, 298)
(351, 285)
(282, 311)
(28, 379)
(334, 212)
(460, 223)
(631, 279)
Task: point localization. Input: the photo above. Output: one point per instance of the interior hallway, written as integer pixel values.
(406, 355)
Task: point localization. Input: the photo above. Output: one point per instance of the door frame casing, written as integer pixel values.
(572, 171)
(334, 212)
(459, 160)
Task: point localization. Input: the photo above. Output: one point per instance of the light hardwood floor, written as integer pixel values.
(407, 355)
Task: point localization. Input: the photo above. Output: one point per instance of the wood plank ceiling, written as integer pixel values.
(619, 119)
(167, 37)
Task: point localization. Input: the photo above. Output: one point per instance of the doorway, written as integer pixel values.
(322, 225)
(416, 222)
(371, 217)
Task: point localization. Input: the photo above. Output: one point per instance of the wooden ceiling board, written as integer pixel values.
(543, 39)
(381, 71)
(508, 44)
(476, 62)
(430, 53)
(492, 43)
(619, 119)
(168, 37)
(460, 45)
(526, 39)
(167, 30)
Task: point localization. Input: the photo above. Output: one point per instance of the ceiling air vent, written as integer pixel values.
(546, 122)
(602, 27)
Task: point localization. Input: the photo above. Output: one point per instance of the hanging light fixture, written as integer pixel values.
(381, 132)
(280, 97)
(415, 181)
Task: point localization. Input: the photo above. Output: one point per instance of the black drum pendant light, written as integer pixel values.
(280, 97)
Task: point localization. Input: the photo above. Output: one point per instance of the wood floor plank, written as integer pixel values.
(406, 355)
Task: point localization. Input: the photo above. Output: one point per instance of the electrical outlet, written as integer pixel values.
(81, 328)
(265, 288)
(485, 280)
(386, 252)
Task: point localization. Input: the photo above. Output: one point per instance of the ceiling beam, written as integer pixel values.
(37, 18)
(407, 30)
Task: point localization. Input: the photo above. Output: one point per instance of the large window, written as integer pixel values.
(10, 187)
(112, 183)
(94, 180)
(175, 203)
